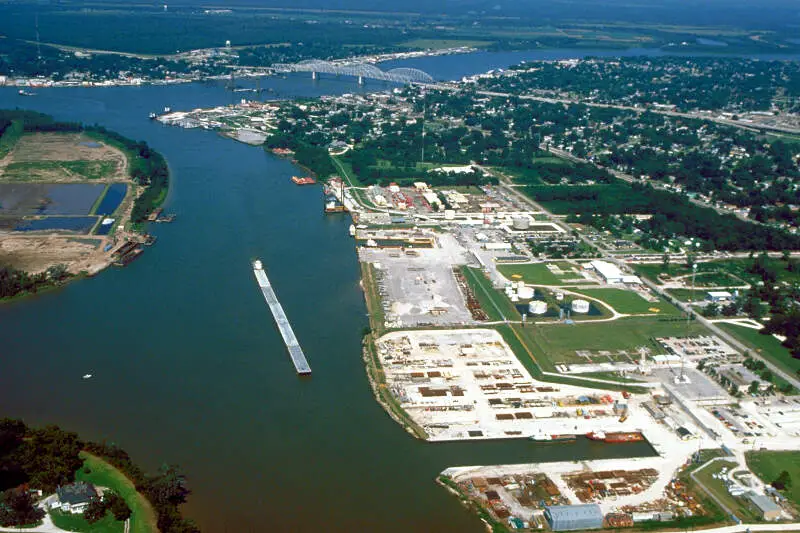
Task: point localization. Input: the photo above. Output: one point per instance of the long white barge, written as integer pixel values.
(296, 353)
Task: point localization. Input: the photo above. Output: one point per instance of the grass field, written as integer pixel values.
(769, 465)
(58, 170)
(741, 508)
(103, 474)
(629, 302)
(557, 343)
(730, 272)
(77, 522)
(536, 274)
(698, 295)
(766, 345)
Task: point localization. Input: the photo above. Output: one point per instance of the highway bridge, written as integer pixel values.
(361, 71)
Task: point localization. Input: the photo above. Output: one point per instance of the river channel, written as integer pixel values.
(188, 366)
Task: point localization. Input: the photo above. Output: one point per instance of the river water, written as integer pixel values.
(188, 366)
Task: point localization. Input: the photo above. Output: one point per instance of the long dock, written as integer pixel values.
(296, 353)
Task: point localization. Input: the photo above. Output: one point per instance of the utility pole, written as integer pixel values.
(424, 111)
(38, 40)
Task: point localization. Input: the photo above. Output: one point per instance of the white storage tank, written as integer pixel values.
(537, 307)
(525, 293)
(580, 306)
(520, 223)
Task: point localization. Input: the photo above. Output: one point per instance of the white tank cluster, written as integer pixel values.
(516, 291)
(580, 306)
(537, 307)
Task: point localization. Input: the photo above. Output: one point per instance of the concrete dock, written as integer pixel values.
(296, 353)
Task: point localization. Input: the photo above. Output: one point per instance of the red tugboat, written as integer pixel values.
(303, 181)
(615, 437)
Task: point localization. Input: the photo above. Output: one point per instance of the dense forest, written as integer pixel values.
(672, 215)
(42, 459)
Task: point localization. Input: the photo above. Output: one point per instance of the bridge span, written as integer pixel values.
(361, 71)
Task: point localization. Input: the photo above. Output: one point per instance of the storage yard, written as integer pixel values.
(468, 384)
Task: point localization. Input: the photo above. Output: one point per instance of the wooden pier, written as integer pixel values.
(289, 338)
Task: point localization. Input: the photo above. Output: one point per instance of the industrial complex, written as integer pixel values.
(491, 318)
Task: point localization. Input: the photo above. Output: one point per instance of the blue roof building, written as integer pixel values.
(574, 517)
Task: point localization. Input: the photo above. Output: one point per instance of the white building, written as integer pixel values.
(719, 296)
(608, 271)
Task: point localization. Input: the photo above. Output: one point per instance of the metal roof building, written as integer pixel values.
(769, 509)
(574, 517)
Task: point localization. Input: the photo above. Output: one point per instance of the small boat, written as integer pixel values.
(303, 181)
(541, 437)
(87, 376)
(352, 230)
(596, 435)
(152, 116)
(23, 92)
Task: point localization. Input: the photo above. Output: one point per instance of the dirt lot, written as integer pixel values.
(36, 253)
(45, 158)
(62, 157)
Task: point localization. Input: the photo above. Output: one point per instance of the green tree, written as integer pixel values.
(96, 510)
(17, 508)
(783, 481)
(119, 508)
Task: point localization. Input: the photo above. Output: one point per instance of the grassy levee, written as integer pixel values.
(766, 346)
(377, 319)
(769, 465)
(10, 136)
(492, 303)
(103, 474)
(99, 200)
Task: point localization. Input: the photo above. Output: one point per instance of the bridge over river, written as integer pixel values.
(360, 70)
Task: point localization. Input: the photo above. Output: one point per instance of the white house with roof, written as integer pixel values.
(74, 498)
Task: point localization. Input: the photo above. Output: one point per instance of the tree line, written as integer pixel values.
(46, 458)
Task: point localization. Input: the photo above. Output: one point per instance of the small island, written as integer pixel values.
(73, 200)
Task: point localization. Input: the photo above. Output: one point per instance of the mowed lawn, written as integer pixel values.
(102, 474)
(629, 302)
(766, 345)
(76, 522)
(557, 343)
(769, 465)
